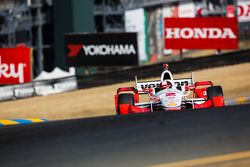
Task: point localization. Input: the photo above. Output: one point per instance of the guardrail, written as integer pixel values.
(37, 88)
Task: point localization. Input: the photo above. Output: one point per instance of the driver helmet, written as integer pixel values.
(165, 84)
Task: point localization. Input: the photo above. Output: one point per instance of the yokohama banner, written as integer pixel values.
(200, 33)
(15, 65)
(114, 49)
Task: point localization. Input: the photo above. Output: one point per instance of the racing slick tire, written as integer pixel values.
(125, 101)
(215, 93)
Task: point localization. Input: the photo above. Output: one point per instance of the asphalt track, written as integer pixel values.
(135, 140)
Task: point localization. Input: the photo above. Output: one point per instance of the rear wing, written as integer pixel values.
(142, 86)
(184, 82)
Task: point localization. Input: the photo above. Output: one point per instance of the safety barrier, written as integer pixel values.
(46, 87)
(37, 88)
(4, 122)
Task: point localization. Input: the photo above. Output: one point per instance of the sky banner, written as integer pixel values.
(15, 65)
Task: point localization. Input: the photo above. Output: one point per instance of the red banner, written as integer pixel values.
(15, 65)
(200, 33)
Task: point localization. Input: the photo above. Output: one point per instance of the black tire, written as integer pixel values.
(214, 91)
(125, 98)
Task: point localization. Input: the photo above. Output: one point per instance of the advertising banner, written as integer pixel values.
(186, 9)
(244, 10)
(170, 12)
(210, 8)
(200, 33)
(104, 49)
(135, 22)
(15, 65)
(155, 34)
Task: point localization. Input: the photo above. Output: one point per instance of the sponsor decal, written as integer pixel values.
(12, 71)
(170, 94)
(150, 85)
(156, 84)
(74, 50)
(102, 50)
(172, 104)
(200, 33)
(181, 83)
(15, 65)
(204, 93)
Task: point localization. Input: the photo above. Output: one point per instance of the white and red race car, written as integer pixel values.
(168, 94)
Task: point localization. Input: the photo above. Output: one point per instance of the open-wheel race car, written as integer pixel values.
(168, 94)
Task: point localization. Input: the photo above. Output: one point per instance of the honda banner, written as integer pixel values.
(109, 49)
(15, 65)
(200, 33)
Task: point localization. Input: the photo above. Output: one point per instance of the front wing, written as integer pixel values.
(157, 106)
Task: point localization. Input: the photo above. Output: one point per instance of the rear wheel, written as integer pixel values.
(215, 93)
(125, 100)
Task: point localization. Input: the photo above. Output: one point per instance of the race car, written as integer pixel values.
(168, 94)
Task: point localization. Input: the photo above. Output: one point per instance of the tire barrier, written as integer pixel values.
(240, 100)
(4, 122)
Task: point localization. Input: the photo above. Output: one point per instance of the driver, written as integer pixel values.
(165, 84)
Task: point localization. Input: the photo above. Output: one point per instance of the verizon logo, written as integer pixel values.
(94, 50)
(12, 71)
(199, 33)
(152, 85)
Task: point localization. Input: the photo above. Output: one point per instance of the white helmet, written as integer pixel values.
(165, 84)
